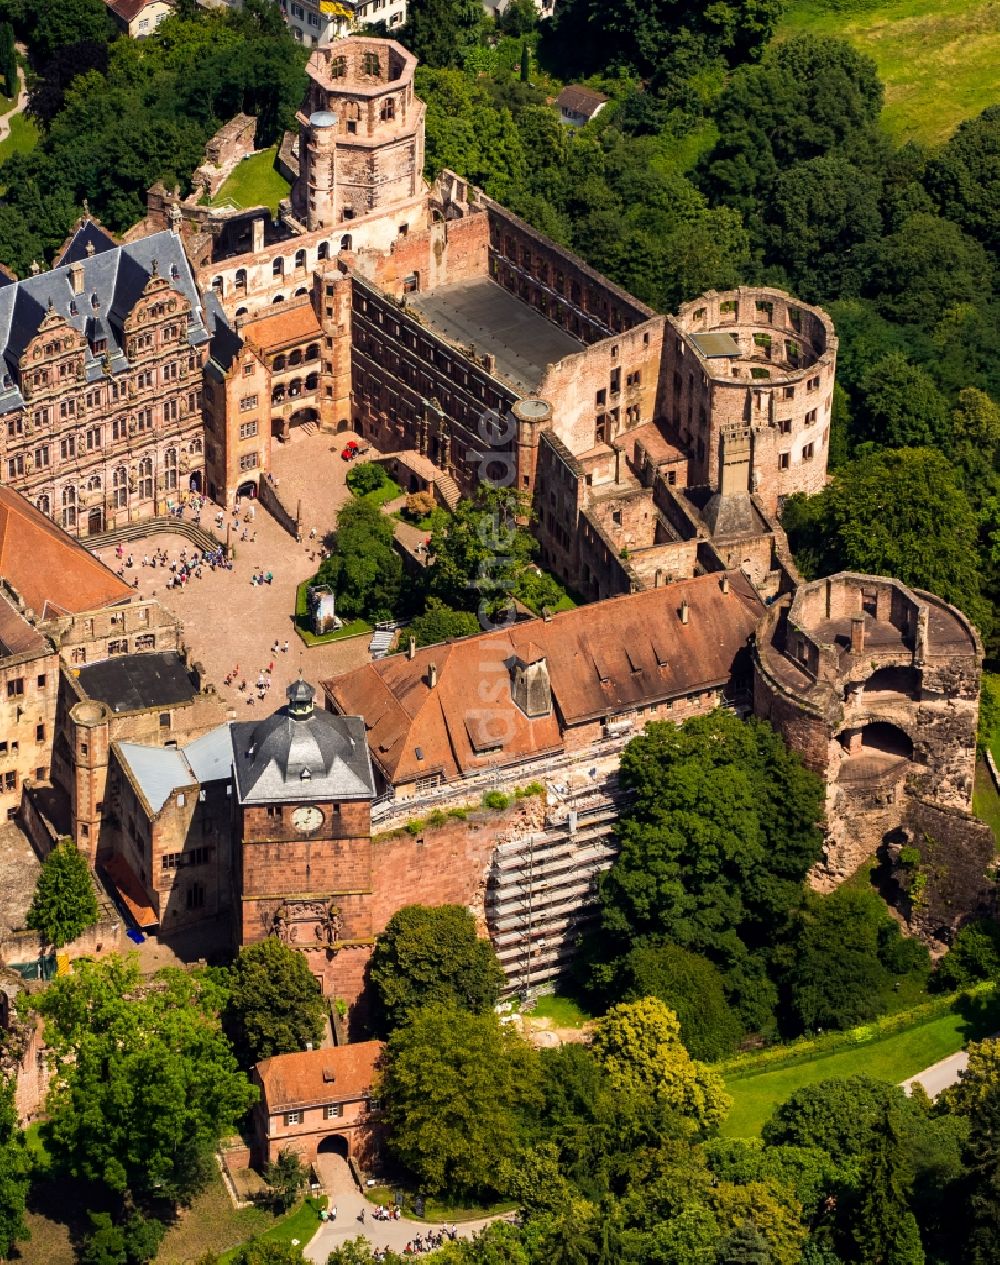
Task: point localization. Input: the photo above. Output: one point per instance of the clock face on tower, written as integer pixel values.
(307, 819)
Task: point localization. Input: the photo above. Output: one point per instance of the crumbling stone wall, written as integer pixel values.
(877, 687)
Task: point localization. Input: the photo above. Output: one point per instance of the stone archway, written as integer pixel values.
(332, 1166)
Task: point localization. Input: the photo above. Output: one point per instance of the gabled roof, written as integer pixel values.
(127, 10)
(580, 100)
(157, 771)
(53, 573)
(160, 771)
(112, 281)
(602, 660)
(282, 325)
(341, 1074)
(16, 635)
(87, 233)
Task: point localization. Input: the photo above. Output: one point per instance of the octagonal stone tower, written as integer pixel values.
(361, 139)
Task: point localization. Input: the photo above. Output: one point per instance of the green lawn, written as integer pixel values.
(23, 137)
(211, 1224)
(299, 1225)
(255, 182)
(937, 58)
(352, 629)
(893, 1059)
(563, 1011)
(389, 491)
(985, 801)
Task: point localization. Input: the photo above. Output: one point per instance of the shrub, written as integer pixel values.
(496, 800)
(367, 477)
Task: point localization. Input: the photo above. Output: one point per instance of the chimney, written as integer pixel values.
(725, 582)
(547, 614)
(328, 1075)
(618, 465)
(411, 650)
(76, 278)
(258, 236)
(432, 675)
(857, 634)
(684, 612)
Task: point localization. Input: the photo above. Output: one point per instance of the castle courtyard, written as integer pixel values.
(227, 619)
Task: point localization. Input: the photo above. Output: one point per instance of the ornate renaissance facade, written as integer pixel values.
(100, 383)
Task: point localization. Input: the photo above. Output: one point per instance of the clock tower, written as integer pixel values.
(303, 789)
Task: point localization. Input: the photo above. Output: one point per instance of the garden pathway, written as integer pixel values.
(19, 105)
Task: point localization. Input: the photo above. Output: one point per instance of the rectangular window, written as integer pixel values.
(10, 781)
(333, 1110)
(15, 687)
(807, 452)
(170, 861)
(293, 1117)
(783, 460)
(249, 461)
(810, 417)
(248, 402)
(41, 457)
(248, 430)
(39, 733)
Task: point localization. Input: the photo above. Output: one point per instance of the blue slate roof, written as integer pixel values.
(113, 280)
(88, 234)
(159, 772)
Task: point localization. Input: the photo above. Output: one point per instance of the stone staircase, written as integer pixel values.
(447, 489)
(163, 524)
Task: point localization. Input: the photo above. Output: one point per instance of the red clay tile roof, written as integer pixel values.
(580, 100)
(16, 635)
(602, 659)
(290, 1081)
(127, 10)
(53, 573)
(278, 328)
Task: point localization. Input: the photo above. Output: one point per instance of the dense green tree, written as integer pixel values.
(480, 553)
(638, 1045)
(8, 60)
(900, 513)
(133, 1241)
(838, 977)
(274, 1004)
(367, 477)
(441, 623)
(144, 1083)
(714, 846)
(363, 568)
(886, 1232)
(900, 406)
(59, 23)
(974, 443)
(691, 986)
(964, 177)
(587, 36)
(286, 1176)
(63, 904)
(809, 96)
(925, 267)
(454, 1090)
(975, 952)
(15, 1171)
(441, 32)
(432, 954)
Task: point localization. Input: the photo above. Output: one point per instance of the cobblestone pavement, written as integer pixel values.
(347, 1199)
(228, 620)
